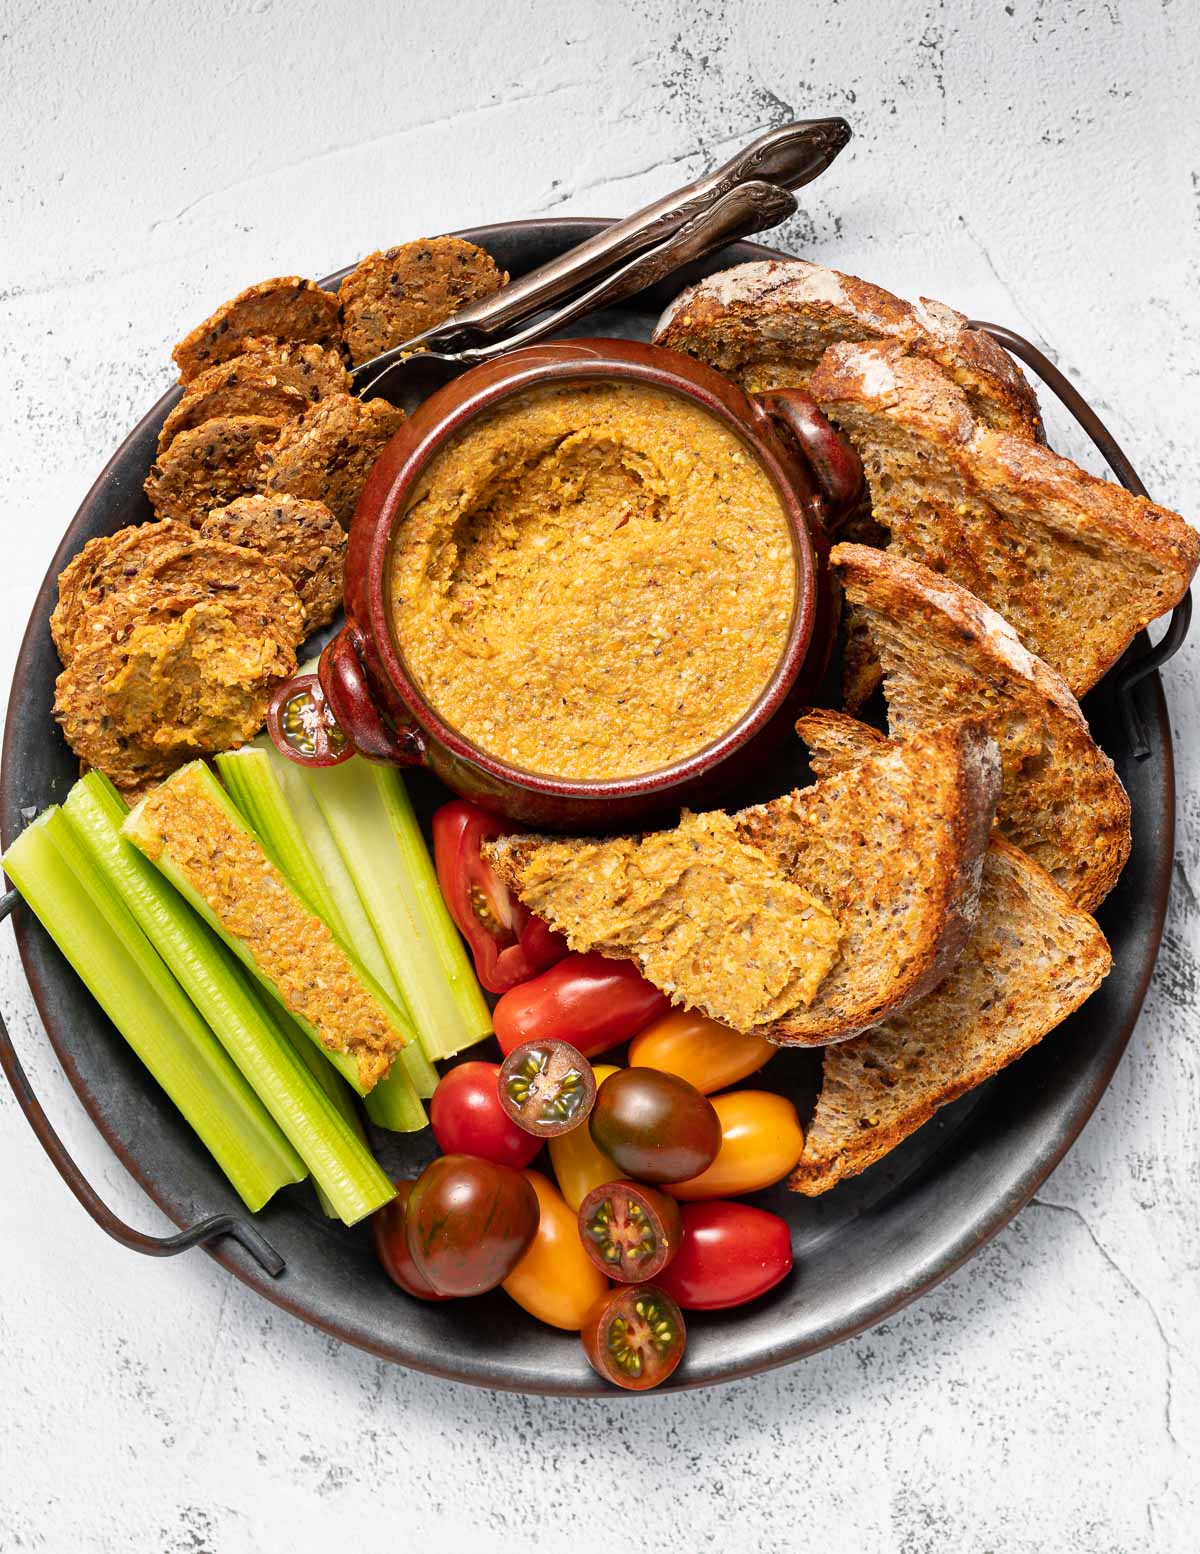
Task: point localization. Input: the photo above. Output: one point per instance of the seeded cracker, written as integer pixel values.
(107, 565)
(286, 308)
(210, 466)
(328, 455)
(231, 389)
(391, 296)
(299, 536)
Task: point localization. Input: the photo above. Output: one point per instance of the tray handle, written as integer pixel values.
(1129, 672)
(199, 1234)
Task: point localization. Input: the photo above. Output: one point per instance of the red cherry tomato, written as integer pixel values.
(588, 1000)
(390, 1228)
(730, 1253)
(509, 943)
(468, 1119)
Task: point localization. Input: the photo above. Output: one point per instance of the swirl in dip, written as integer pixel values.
(593, 581)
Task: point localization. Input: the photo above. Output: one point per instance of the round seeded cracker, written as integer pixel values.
(284, 308)
(391, 296)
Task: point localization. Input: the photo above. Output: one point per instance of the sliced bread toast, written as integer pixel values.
(944, 654)
(888, 856)
(1078, 565)
(767, 324)
(1034, 957)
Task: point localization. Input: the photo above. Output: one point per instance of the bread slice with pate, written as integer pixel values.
(767, 324)
(944, 654)
(1033, 958)
(805, 920)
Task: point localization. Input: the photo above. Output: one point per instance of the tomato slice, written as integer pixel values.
(508, 942)
(588, 1000)
(634, 1336)
(630, 1232)
(546, 1087)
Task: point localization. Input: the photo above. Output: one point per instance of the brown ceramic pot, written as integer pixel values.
(384, 716)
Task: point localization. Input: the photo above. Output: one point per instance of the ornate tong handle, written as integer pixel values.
(789, 157)
(751, 207)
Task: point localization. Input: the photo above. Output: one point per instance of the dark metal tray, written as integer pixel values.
(862, 1251)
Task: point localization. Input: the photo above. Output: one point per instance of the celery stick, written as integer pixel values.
(99, 937)
(339, 1093)
(369, 813)
(212, 798)
(289, 823)
(334, 1152)
(432, 914)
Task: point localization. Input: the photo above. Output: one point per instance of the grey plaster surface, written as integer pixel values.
(1035, 162)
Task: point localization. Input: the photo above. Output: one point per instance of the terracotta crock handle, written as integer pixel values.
(349, 697)
(836, 467)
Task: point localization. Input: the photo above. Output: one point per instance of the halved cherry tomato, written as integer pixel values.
(547, 1088)
(657, 1127)
(702, 1051)
(630, 1231)
(389, 1227)
(731, 1253)
(761, 1141)
(469, 1223)
(588, 1000)
(634, 1336)
(578, 1164)
(509, 943)
(468, 1119)
(555, 1281)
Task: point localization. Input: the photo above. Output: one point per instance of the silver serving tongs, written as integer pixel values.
(746, 195)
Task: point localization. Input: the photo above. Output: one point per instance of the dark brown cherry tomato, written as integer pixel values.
(546, 1088)
(629, 1231)
(389, 1227)
(509, 943)
(634, 1336)
(588, 1000)
(469, 1222)
(656, 1126)
(468, 1119)
(731, 1253)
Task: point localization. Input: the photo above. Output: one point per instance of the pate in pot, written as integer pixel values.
(593, 581)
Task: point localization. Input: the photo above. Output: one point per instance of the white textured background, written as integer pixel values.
(1035, 162)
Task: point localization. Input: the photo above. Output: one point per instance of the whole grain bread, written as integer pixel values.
(945, 653)
(892, 850)
(1077, 565)
(1033, 958)
(767, 325)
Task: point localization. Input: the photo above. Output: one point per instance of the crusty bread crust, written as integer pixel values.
(1078, 565)
(945, 653)
(894, 849)
(1032, 959)
(767, 324)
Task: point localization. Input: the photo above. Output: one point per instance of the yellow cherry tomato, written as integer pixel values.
(556, 1281)
(760, 1142)
(704, 1052)
(578, 1164)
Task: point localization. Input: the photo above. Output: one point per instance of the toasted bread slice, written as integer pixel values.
(944, 653)
(767, 324)
(1078, 565)
(891, 851)
(1034, 958)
